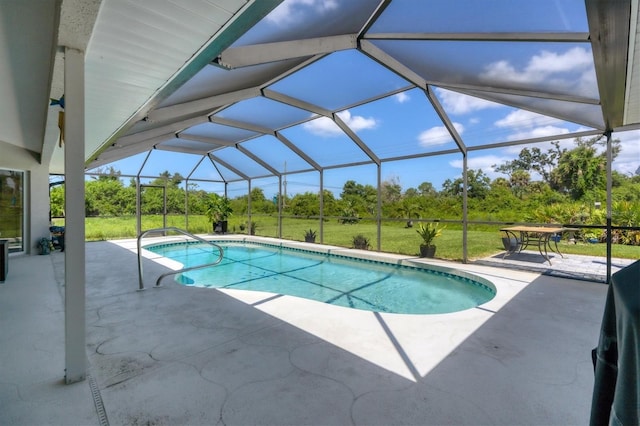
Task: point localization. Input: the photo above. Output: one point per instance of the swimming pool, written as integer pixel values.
(339, 280)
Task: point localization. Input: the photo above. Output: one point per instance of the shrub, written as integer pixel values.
(361, 242)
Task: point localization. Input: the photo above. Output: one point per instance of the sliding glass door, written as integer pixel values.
(12, 208)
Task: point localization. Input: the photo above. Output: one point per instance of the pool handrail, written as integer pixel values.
(180, 231)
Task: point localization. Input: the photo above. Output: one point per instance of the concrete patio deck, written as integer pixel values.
(590, 268)
(183, 355)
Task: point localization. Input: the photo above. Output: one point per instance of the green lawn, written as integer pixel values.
(396, 238)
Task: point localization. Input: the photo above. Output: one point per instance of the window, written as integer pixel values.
(12, 208)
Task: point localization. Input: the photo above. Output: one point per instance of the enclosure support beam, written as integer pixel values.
(609, 185)
(138, 197)
(465, 219)
(379, 207)
(321, 206)
(186, 204)
(249, 206)
(280, 203)
(164, 204)
(138, 209)
(74, 256)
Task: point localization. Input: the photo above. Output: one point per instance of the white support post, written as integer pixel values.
(74, 256)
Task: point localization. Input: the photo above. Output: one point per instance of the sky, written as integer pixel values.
(405, 124)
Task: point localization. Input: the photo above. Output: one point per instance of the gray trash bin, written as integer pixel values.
(4, 259)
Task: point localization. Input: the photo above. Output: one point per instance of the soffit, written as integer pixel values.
(140, 51)
(27, 34)
(632, 99)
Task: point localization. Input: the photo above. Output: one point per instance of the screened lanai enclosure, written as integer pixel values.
(402, 94)
(306, 98)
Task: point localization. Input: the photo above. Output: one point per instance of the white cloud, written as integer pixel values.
(325, 127)
(456, 103)
(292, 11)
(527, 124)
(357, 122)
(438, 135)
(401, 97)
(522, 119)
(564, 71)
(484, 163)
(322, 126)
(628, 161)
(546, 62)
(538, 132)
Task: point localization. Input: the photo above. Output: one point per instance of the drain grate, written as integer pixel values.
(97, 400)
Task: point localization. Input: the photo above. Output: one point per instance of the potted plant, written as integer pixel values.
(591, 237)
(218, 212)
(45, 245)
(429, 231)
(361, 242)
(310, 236)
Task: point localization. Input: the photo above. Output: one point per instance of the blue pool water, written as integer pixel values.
(360, 284)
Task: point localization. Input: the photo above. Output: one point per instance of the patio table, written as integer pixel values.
(533, 235)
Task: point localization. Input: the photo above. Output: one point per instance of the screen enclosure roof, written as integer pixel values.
(315, 85)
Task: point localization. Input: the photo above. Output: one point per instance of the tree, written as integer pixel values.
(109, 174)
(361, 199)
(305, 205)
(329, 203)
(259, 203)
(576, 171)
(500, 182)
(477, 185)
(391, 190)
(56, 200)
(353, 189)
(257, 195)
(519, 182)
(106, 196)
(426, 189)
(411, 193)
(533, 160)
(582, 169)
(198, 199)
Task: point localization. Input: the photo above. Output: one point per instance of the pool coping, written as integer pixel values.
(402, 264)
(340, 252)
(503, 293)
